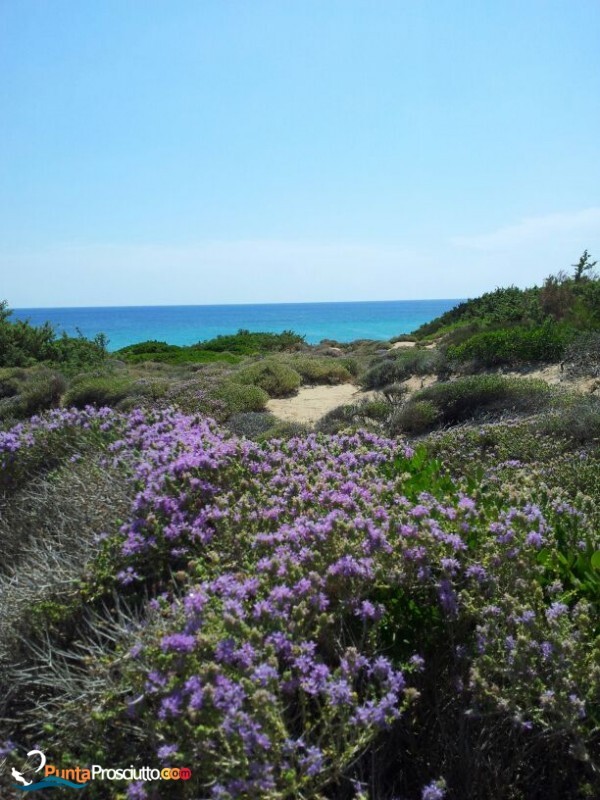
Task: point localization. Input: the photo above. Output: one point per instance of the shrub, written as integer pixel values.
(582, 355)
(251, 423)
(464, 398)
(351, 364)
(10, 380)
(578, 419)
(249, 343)
(22, 344)
(97, 390)
(513, 346)
(375, 409)
(76, 353)
(161, 352)
(238, 398)
(507, 306)
(41, 391)
(364, 413)
(320, 370)
(416, 417)
(400, 366)
(395, 393)
(284, 429)
(28, 392)
(276, 378)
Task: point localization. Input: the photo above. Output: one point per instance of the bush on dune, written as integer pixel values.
(461, 399)
(250, 423)
(97, 390)
(328, 371)
(577, 418)
(416, 417)
(161, 352)
(27, 392)
(400, 365)
(249, 343)
(23, 345)
(274, 377)
(513, 346)
(365, 413)
(238, 398)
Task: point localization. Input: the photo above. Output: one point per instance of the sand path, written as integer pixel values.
(313, 402)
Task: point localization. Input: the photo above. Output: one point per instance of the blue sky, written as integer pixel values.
(232, 151)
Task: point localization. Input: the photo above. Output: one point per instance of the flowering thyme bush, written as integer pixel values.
(309, 597)
(44, 440)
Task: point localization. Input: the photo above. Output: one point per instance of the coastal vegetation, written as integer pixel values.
(402, 602)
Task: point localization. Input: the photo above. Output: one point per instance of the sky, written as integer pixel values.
(157, 152)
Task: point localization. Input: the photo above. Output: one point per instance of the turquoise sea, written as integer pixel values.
(343, 322)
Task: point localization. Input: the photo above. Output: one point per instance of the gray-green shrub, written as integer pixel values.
(251, 423)
(97, 390)
(238, 398)
(28, 392)
(578, 419)
(401, 365)
(274, 377)
(417, 417)
(320, 370)
(466, 397)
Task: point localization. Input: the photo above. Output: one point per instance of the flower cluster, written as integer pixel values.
(298, 589)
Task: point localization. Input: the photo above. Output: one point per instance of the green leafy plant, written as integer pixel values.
(275, 377)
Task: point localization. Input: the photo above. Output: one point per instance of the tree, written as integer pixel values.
(583, 265)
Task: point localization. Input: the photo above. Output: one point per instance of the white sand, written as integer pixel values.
(313, 402)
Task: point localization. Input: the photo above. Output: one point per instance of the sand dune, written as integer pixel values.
(313, 402)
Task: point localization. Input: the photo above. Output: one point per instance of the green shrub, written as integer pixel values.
(320, 370)
(161, 352)
(395, 394)
(27, 392)
(97, 390)
(238, 398)
(338, 419)
(508, 306)
(351, 364)
(513, 346)
(22, 344)
(464, 398)
(416, 417)
(375, 409)
(276, 378)
(76, 353)
(150, 346)
(400, 365)
(10, 380)
(41, 391)
(248, 343)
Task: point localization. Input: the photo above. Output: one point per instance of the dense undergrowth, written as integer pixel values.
(327, 616)
(349, 613)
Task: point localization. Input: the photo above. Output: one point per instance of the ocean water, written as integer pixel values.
(182, 325)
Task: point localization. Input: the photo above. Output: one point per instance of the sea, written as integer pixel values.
(183, 325)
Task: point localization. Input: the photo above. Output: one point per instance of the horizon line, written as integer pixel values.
(216, 305)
